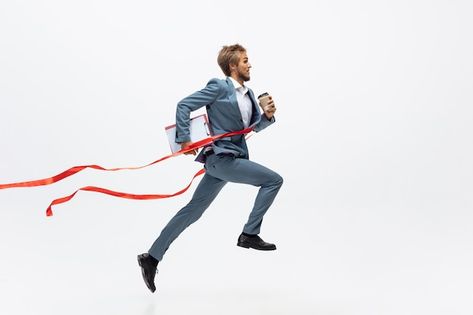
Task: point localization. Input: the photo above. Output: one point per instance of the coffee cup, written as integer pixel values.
(264, 99)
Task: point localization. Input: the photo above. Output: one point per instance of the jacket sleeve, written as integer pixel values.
(263, 123)
(191, 103)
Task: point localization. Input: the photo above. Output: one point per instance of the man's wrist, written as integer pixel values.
(268, 118)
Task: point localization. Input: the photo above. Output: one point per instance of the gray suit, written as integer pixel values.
(229, 161)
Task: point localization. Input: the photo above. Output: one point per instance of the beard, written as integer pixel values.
(244, 76)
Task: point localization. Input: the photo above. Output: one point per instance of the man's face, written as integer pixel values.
(243, 68)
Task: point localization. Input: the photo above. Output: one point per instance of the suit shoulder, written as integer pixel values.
(216, 85)
(218, 82)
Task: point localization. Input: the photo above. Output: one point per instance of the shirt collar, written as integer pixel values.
(238, 86)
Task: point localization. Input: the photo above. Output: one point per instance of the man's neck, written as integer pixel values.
(238, 79)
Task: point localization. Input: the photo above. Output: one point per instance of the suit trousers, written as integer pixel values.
(221, 169)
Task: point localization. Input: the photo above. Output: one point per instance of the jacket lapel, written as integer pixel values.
(255, 115)
(233, 99)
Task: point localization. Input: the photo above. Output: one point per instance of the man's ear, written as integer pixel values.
(233, 67)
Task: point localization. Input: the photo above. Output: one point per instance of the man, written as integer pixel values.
(231, 106)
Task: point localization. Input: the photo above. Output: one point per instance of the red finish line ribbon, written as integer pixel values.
(76, 169)
(49, 211)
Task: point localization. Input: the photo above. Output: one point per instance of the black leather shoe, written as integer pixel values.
(148, 270)
(255, 242)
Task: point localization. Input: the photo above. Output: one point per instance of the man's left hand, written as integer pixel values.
(269, 109)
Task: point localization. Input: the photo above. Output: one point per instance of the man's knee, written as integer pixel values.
(277, 180)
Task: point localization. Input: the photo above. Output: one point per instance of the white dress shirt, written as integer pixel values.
(244, 102)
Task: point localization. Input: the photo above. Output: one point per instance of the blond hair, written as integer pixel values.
(229, 55)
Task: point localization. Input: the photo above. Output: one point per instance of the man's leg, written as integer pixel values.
(206, 191)
(244, 171)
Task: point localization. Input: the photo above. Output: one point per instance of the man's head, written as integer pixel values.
(233, 61)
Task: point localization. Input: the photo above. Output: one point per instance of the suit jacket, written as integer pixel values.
(219, 98)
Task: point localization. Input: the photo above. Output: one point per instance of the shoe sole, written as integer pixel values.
(143, 273)
(246, 245)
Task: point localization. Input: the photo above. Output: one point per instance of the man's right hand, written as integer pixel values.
(187, 144)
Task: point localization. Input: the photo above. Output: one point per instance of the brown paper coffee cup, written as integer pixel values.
(263, 100)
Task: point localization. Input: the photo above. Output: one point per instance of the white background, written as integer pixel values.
(373, 138)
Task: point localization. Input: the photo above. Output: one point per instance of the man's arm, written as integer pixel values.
(189, 104)
(267, 117)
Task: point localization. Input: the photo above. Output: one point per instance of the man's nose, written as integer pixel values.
(249, 65)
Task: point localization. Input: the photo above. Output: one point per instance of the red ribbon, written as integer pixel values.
(49, 211)
(76, 169)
